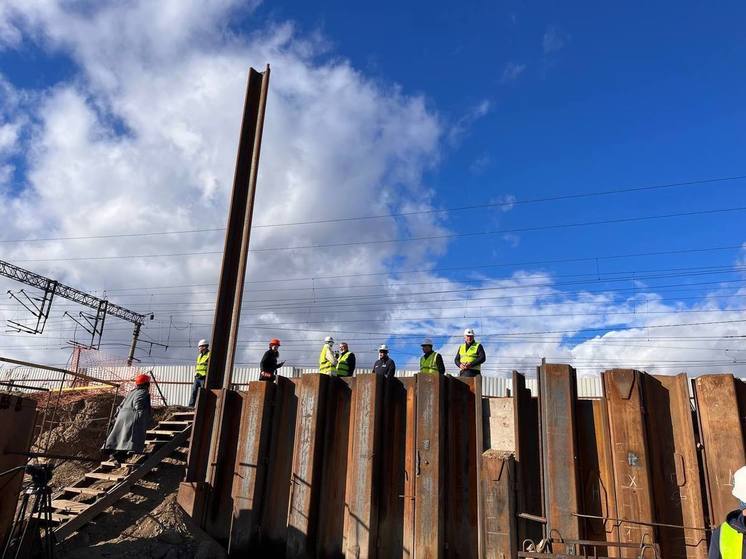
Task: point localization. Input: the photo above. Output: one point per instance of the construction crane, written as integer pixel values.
(40, 306)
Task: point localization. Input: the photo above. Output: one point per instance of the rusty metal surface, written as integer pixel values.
(429, 533)
(498, 514)
(720, 428)
(528, 457)
(630, 459)
(410, 468)
(199, 445)
(557, 397)
(363, 484)
(275, 515)
(306, 473)
(330, 511)
(251, 466)
(674, 467)
(461, 467)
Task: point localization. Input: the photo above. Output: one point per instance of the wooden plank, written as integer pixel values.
(557, 397)
(250, 468)
(410, 468)
(306, 474)
(499, 513)
(104, 477)
(68, 506)
(429, 532)
(626, 407)
(90, 491)
(363, 491)
(721, 433)
(275, 517)
(674, 467)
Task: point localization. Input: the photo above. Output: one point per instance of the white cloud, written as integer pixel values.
(461, 127)
(512, 72)
(554, 39)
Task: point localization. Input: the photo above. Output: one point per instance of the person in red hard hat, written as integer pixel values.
(269, 364)
(133, 419)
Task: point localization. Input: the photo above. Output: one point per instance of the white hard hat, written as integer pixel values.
(739, 484)
(468, 332)
(383, 347)
(202, 342)
(427, 341)
(329, 339)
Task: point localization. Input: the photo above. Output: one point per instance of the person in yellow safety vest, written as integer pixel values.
(470, 356)
(727, 539)
(200, 370)
(431, 362)
(327, 358)
(346, 362)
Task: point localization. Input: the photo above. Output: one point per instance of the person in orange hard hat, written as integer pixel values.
(269, 364)
(133, 419)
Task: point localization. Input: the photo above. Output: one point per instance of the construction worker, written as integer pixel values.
(132, 421)
(727, 539)
(384, 366)
(431, 361)
(470, 356)
(345, 362)
(327, 358)
(200, 370)
(269, 365)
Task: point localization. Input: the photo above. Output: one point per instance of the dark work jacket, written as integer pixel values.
(481, 356)
(738, 522)
(385, 368)
(439, 363)
(269, 361)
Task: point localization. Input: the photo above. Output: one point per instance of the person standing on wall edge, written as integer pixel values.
(431, 362)
(470, 356)
(327, 358)
(385, 366)
(346, 361)
(200, 370)
(727, 539)
(269, 365)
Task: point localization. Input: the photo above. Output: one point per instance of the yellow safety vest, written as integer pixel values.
(201, 369)
(428, 365)
(731, 542)
(469, 355)
(343, 367)
(325, 366)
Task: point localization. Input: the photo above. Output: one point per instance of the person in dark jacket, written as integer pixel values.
(269, 364)
(384, 366)
(470, 356)
(345, 362)
(727, 539)
(133, 419)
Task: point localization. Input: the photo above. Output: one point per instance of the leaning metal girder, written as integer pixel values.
(35, 280)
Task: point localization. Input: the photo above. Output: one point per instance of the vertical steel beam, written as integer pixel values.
(429, 532)
(626, 407)
(251, 466)
(557, 397)
(499, 512)
(410, 468)
(720, 427)
(306, 475)
(674, 467)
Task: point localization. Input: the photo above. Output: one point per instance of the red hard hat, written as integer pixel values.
(274, 341)
(142, 379)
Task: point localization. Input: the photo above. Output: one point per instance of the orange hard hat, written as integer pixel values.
(142, 379)
(274, 341)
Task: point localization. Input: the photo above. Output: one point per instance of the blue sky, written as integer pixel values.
(128, 113)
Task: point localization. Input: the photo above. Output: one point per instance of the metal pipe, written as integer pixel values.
(14, 385)
(620, 520)
(57, 370)
(133, 346)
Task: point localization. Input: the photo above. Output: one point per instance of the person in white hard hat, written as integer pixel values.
(431, 362)
(327, 358)
(200, 370)
(470, 356)
(384, 366)
(727, 539)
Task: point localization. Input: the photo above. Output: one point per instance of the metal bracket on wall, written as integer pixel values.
(94, 325)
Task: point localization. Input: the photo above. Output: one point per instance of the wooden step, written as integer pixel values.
(179, 424)
(105, 477)
(109, 464)
(183, 416)
(72, 507)
(88, 491)
(56, 517)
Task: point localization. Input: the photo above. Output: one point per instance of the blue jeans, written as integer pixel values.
(199, 382)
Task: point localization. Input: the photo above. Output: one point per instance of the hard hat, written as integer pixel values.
(468, 332)
(202, 342)
(274, 341)
(383, 347)
(427, 341)
(329, 339)
(141, 379)
(739, 484)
